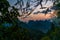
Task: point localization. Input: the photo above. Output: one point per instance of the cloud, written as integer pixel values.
(39, 16)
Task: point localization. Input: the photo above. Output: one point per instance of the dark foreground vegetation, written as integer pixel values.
(19, 33)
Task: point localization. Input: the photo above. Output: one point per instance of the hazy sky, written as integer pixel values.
(39, 16)
(36, 16)
(12, 2)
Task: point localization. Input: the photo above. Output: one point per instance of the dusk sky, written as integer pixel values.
(39, 16)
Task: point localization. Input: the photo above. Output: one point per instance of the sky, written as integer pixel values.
(12, 2)
(39, 16)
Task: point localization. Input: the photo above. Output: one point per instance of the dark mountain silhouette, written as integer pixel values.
(42, 26)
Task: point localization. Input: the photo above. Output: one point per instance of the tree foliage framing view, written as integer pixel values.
(16, 32)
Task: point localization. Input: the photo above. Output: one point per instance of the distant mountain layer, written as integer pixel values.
(43, 26)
